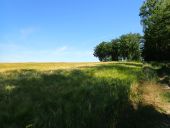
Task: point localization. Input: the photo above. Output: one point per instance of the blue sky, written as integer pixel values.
(62, 30)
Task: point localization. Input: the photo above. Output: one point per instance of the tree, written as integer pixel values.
(155, 18)
(103, 51)
(130, 46)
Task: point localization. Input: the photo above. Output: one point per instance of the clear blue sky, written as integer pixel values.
(62, 30)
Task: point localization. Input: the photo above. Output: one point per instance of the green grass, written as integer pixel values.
(67, 95)
(91, 96)
(166, 96)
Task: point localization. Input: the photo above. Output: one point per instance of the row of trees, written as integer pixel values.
(153, 46)
(125, 47)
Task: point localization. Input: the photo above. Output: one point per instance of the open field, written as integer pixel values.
(77, 95)
(42, 66)
(54, 66)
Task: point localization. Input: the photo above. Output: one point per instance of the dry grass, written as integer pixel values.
(152, 95)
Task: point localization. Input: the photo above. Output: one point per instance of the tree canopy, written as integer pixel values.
(125, 47)
(103, 51)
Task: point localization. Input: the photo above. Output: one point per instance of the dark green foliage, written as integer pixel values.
(126, 47)
(130, 46)
(115, 49)
(155, 18)
(103, 51)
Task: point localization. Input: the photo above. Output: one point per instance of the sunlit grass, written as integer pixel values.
(42, 66)
(61, 65)
(9, 87)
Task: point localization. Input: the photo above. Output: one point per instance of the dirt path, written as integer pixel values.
(151, 111)
(152, 94)
(150, 106)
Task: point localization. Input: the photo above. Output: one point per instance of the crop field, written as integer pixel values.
(73, 95)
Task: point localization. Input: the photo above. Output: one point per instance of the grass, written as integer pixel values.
(166, 96)
(42, 66)
(73, 95)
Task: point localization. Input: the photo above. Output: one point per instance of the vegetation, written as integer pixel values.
(96, 95)
(85, 95)
(167, 96)
(104, 51)
(90, 97)
(126, 47)
(155, 18)
(153, 46)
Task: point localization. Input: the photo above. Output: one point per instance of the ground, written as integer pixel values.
(93, 95)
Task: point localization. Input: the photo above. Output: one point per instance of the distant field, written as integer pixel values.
(49, 66)
(42, 66)
(70, 95)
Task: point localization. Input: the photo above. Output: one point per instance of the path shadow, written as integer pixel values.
(145, 116)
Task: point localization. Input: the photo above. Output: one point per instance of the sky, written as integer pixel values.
(62, 30)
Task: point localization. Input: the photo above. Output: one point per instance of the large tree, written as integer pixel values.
(155, 18)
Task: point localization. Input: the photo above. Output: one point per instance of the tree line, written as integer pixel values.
(125, 47)
(154, 45)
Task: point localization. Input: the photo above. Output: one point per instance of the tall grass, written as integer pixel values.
(91, 97)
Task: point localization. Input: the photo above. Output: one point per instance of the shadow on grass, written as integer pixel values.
(162, 70)
(70, 99)
(160, 74)
(164, 73)
(62, 99)
(145, 116)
